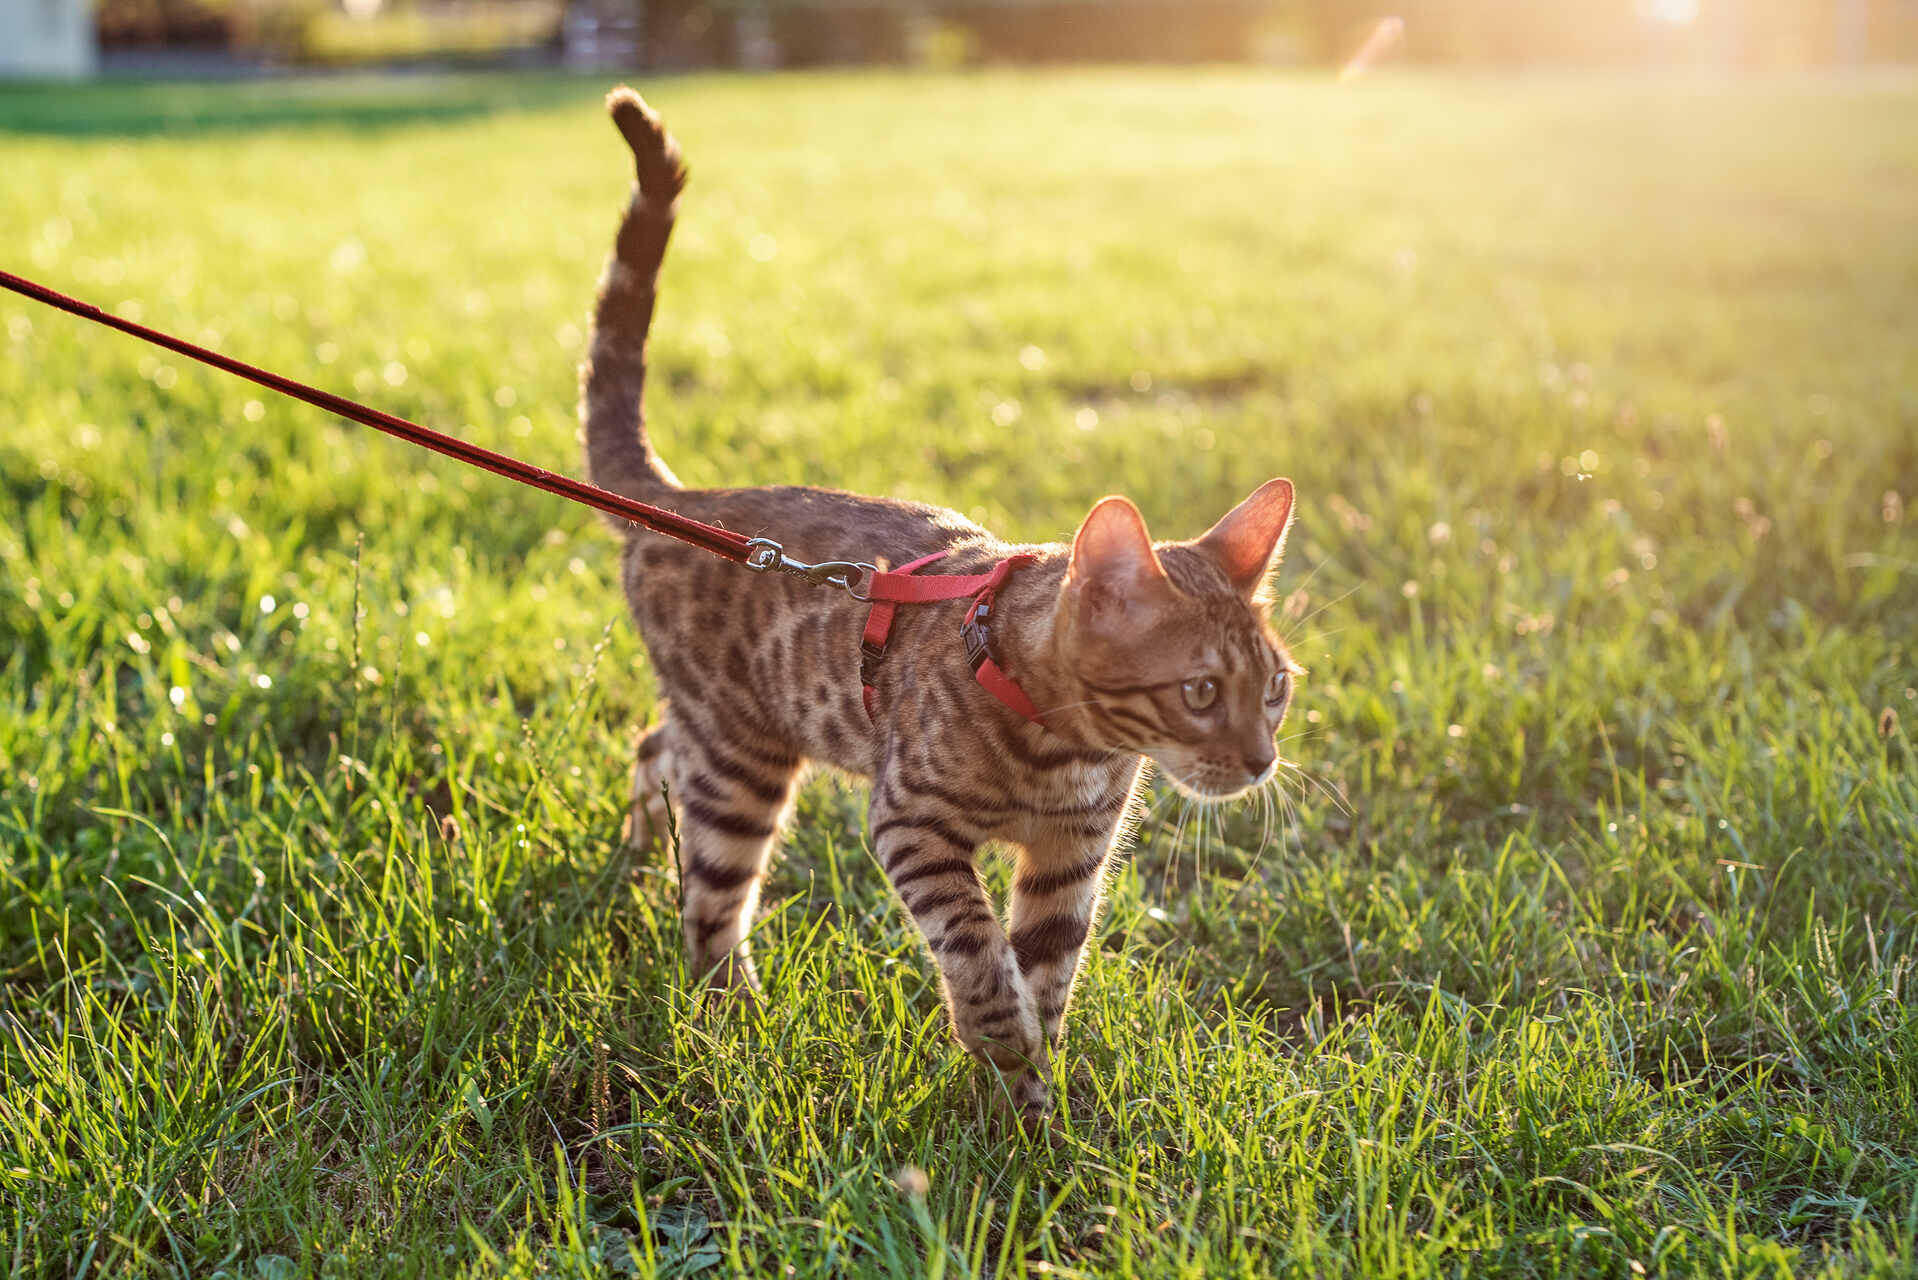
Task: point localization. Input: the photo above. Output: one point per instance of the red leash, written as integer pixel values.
(861, 580)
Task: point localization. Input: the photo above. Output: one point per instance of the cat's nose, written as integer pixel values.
(1258, 760)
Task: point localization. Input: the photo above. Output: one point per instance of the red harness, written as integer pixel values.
(890, 590)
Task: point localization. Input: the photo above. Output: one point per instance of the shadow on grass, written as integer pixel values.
(177, 108)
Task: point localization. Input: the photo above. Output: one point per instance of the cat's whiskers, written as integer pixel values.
(1201, 817)
(1177, 823)
(1265, 820)
(1288, 740)
(1193, 824)
(1201, 831)
(1197, 828)
(1329, 792)
(1267, 813)
(1329, 603)
(1293, 819)
(1279, 807)
(1272, 794)
(1319, 637)
(1216, 830)
(1316, 570)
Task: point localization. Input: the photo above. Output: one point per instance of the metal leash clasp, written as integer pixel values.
(854, 576)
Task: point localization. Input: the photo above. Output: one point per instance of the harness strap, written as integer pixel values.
(872, 641)
(901, 587)
(888, 591)
(987, 671)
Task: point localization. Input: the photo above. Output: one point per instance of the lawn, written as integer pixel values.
(1582, 942)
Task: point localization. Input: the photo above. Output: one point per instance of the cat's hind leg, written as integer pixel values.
(648, 823)
(729, 797)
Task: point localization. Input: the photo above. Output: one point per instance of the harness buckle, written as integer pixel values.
(977, 638)
(870, 656)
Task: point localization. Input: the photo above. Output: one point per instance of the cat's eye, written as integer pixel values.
(1200, 693)
(1277, 688)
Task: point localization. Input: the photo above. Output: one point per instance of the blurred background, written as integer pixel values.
(80, 37)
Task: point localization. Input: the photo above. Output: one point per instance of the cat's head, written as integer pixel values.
(1169, 646)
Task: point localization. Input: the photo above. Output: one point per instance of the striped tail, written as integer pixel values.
(611, 381)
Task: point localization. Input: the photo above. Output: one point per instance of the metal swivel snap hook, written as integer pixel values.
(853, 576)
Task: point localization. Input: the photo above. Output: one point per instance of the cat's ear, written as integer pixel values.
(1115, 574)
(1248, 542)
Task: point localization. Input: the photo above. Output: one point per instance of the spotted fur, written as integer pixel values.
(760, 676)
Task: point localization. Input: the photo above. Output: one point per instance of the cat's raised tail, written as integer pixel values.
(613, 378)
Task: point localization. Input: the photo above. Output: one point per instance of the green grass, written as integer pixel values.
(320, 954)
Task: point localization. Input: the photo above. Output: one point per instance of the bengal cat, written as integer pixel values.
(1128, 649)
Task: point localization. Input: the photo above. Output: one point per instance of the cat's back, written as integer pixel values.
(814, 523)
(770, 652)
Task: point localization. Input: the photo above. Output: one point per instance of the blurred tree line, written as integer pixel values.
(208, 24)
(686, 33)
(949, 32)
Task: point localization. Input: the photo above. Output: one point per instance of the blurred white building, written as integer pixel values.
(46, 38)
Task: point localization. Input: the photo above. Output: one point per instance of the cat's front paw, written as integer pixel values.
(1011, 1050)
(1007, 1041)
(732, 976)
(1024, 1097)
